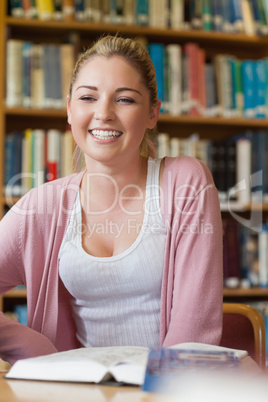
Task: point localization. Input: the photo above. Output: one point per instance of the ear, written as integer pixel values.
(154, 114)
(69, 116)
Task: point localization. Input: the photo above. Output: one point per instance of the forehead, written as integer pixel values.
(113, 68)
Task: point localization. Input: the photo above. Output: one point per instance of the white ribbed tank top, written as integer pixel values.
(116, 300)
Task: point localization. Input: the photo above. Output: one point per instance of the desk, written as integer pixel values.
(38, 391)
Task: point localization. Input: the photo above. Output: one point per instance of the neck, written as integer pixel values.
(103, 185)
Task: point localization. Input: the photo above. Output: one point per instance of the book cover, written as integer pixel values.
(230, 154)
(53, 154)
(56, 78)
(237, 90)
(16, 8)
(142, 12)
(217, 15)
(79, 10)
(174, 70)
(157, 54)
(260, 139)
(236, 16)
(45, 9)
(231, 253)
(227, 87)
(48, 61)
(196, 14)
(176, 14)
(27, 183)
(58, 10)
(38, 165)
(30, 9)
(14, 86)
(263, 256)
(67, 62)
(191, 51)
(202, 91)
(262, 17)
(250, 255)
(67, 149)
(260, 85)
(207, 15)
(243, 169)
(26, 73)
(248, 84)
(68, 10)
(21, 312)
(212, 108)
(158, 13)
(227, 16)
(162, 145)
(37, 77)
(248, 18)
(9, 163)
(166, 366)
(129, 12)
(256, 16)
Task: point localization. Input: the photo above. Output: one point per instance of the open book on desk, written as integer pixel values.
(124, 364)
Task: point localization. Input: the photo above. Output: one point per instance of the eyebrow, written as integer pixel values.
(117, 90)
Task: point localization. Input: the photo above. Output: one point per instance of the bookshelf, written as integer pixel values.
(19, 118)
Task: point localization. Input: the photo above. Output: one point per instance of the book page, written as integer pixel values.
(82, 365)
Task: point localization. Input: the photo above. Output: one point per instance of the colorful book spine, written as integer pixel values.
(157, 54)
(142, 12)
(16, 8)
(45, 9)
(207, 15)
(248, 83)
(79, 10)
(236, 16)
(260, 88)
(227, 15)
(217, 15)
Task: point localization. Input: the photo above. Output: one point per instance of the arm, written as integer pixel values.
(196, 307)
(16, 340)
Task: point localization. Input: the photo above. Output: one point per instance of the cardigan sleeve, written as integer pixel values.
(16, 340)
(195, 259)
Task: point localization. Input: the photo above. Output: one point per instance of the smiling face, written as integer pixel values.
(109, 110)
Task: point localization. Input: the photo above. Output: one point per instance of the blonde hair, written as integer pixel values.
(139, 58)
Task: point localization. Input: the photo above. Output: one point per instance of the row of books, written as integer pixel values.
(33, 157)
(190, 82)
(245, 254)
(249, 16)
(38, 75)
(239, 164)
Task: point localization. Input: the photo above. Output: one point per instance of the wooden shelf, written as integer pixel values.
(150, 32)
(163, 118)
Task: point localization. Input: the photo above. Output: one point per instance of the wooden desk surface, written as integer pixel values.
(38, 391)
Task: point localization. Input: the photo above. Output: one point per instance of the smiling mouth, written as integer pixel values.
(105, 134)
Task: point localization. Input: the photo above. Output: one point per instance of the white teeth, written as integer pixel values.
(105, 134)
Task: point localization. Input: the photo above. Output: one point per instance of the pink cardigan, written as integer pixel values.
(191, 303)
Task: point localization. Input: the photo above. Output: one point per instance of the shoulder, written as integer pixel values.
(186, 170)
(50, 197)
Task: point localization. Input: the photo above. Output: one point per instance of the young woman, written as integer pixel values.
(128, 251)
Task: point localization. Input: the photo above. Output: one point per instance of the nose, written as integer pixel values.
(104, 111)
